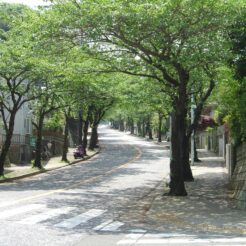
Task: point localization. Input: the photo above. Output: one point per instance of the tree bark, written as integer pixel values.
(94, 138)
(143, 128)
(80, 127)
(188, 176)
(160, 117)
(65, 141)
(132, 126)
(85, 134)
(122, 127)
(139, 130)
(178, 139)
(38, 148)
(177, 186)
(7, 142)
(149, 130)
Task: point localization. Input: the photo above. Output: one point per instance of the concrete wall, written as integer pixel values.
(238, 181)
(213, 140)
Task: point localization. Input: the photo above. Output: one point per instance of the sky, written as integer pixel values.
(30, 3)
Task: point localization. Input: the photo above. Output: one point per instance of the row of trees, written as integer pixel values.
(159, 57)
(48, 80)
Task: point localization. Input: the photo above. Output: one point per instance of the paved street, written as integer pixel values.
(60, 207)
(115, 199)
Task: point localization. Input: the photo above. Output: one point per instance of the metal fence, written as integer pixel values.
(17, 139)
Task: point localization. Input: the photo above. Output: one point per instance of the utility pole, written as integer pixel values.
(192, 152)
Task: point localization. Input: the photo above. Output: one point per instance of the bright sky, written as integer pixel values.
(31, 3)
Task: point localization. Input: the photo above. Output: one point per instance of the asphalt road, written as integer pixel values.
(101, 201)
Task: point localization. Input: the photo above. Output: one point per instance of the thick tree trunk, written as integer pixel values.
(85, 134)
(7, 142)
(94, 138)
(65, 141)
(38, 148)
(177, 186)
(160, 117)
(178, 140)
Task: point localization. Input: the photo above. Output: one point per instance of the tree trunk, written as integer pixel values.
(80, 127)
(132, 126)
(160, 117)
(85, 134)
(122, 127)
(65, 141)
(177, 187)
(139, 130)
(7, 142)
(38, 148)
(94, 138)
(178, 139)
(143, 129)
(196, 159)
(187, 169)
(148, 129)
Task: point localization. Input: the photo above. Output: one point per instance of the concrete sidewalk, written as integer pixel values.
(206, 209)
(21, 171)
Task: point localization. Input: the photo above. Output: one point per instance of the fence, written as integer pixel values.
(17, 139)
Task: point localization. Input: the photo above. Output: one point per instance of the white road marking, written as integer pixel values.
(79, 219)
(19, 210)
(134, 236)
(44, 216)
(180, 241)
(231, 240)
(137, 231)
(99, 227)
(114, 226)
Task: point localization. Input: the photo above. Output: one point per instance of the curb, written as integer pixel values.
(8, 180)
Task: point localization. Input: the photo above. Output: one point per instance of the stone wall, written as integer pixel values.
(238, 181)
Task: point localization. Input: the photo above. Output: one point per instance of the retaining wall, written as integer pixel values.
(238, 181)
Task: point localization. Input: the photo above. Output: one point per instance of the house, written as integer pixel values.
(20, 150)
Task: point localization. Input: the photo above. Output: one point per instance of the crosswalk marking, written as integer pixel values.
(99, 227)
(137, 231)
(19, 210)
(149, 239)
(79, 219)
(44, 216)
(114, 226)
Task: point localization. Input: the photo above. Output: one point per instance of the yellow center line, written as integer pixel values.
(136, 157)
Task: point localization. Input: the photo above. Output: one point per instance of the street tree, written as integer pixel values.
(167, 41)
(18, 75)
(48, 100)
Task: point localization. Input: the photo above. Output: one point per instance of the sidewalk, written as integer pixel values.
(206, 209)
(21, 171)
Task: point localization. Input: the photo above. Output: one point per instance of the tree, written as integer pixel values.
(231, 93)
(48, 100)
(18, 74)
(167, 41)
